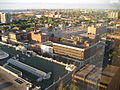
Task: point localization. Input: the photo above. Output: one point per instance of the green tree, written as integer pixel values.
(61, 86)
(29, 29)
(73, 87)
(82, 40)
(52, 35)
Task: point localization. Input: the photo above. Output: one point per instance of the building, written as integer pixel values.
(97, 30)
(47, 47)
(14, 37)
(38, 36)
(38, 16)
(114, 14)
(4, 38)
(91, 77)
(11, 81)
(18, 36)
(54, 14)
(79, 52)
(5, 18)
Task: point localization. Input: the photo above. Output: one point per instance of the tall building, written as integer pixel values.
(114, 14)
(97, 30)
(5, 18)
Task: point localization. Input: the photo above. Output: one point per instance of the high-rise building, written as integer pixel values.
(114, 14)
(5, 18)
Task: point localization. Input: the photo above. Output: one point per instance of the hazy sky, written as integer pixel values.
(58, 1)
(21, 4)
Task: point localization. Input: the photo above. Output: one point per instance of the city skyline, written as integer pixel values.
(59, 4)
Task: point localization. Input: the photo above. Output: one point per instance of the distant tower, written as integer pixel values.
(5, 18)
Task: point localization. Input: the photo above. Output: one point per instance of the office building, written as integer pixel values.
(79, 52)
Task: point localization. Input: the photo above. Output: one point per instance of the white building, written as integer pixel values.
(38, 16)
(5, 18)
(21, 48)
(114, 14)
(47, 47)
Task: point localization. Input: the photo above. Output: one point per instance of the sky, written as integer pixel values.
(59, 4)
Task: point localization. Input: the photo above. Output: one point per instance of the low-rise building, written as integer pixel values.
(47, 47)
(4, 38)
(11, 81)
(38, 36)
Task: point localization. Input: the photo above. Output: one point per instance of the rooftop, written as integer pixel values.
(86, 70)
(11, 81)
(110, 70)
(96, 75)
(105, 80)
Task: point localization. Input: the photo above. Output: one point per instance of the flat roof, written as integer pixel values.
(105, 80)
(95, 75)
(110, 70)
(17, 83)
(75, 46)
(13, 69)
(86, 70)
(68, 46)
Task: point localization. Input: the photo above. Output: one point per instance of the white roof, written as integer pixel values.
(68, 46)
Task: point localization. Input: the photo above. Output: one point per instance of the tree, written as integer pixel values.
(52, 35)
(61, 87)
(73, 87)
(1, 29)
(29, 29)
(82, 40)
